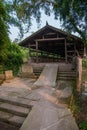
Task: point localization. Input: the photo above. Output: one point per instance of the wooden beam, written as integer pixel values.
(32, 45)
(49, 39)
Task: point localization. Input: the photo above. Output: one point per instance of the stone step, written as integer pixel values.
(38, 68)
(16, 120)
(66, 75)
(6, 126)
(13, 109)
(67, 72)
(72, 72)
(65, 78)
(26, 75)
(72, 75)
(11, 119)
(16, 101)
(39, 71)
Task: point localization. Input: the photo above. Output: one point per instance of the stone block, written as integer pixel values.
(27, 68)
(8, 74)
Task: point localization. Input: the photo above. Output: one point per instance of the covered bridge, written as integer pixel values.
(50, 44)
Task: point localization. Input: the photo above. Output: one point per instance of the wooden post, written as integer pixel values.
(65, 51)
(37, 52)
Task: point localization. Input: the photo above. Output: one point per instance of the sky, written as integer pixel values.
(50, 19)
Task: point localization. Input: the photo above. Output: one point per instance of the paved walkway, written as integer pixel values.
(48, 111)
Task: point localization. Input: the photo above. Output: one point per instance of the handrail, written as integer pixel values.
(48, 54)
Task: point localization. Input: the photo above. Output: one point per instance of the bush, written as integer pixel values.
(13, 62)
(14, 59)
(83, 125)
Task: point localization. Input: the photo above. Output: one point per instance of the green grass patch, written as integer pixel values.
(83, 125)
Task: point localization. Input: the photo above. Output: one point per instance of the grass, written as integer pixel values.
(77, 104)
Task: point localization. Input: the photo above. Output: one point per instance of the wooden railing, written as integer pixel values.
(44, 56)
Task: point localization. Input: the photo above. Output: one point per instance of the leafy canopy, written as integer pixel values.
(72, 13)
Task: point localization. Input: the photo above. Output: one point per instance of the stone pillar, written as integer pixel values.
(79, 74)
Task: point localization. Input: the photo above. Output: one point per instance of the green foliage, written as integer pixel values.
(4, 39)
(83, 125)
(25, 53)
(14, 59)
(74, 103)
(84, 62)
(71, 13)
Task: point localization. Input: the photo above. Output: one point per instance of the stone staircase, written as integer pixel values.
(37, 70)
(65, 72)
(66, 75)
(13, 111)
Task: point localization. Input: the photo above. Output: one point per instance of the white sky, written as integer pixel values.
(50, 19)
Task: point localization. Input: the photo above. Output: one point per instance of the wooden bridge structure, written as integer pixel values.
(50, 44)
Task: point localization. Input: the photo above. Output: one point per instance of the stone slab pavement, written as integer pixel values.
(47, 113)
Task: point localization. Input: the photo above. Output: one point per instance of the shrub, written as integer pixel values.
(83, 125)
(14, 59)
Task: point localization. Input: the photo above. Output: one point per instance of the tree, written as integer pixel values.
(73, 15)
(71, 12)
(4, 39)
